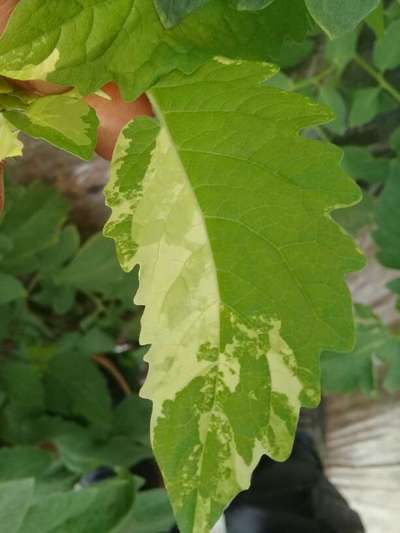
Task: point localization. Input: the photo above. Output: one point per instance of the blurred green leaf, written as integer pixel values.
(54, 257)
(97, 509)
(361, 165)
(32, 222)
(152, 512)
(342, 50)
(23, 387)
(387, 49)
(293, 53)
(82, 451)
(387, 235)
(355, 371)
(333, 99)
(365, 106)
(23, 461)
(95, 268)
(10, 289)
(74, 386)
(376, 20)
(395, 140)
(357, 217)
(337, 18)
(15, 499)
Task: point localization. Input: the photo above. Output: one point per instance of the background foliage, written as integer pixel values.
(66, 323)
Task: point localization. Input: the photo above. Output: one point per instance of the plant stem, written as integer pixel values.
(103, 361)
(378, 77)
(314, 80)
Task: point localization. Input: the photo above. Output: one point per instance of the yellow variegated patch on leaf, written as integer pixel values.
(226, 208)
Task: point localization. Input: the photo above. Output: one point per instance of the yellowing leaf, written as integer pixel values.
(10, 145)
(241, 272)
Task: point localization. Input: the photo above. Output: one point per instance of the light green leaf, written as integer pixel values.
(91, 42)
(152, 512)
(95, 268)
(65, 121)
(358, 216)
(173, 11)
(22, 385)
(356, 371)
(337, 17)
(395, 141)
(362, 165)
(75, 387)
(387, 235)
(10, 289)
(387, 49)
(293, 53)
(332, 98)
(97, 509)
(15, 499)
(20, 462)
(253, 5)
(365, 106)
(240, 288)
(342, 50)
(82, 451)
(32, 222)
(376, 20)
(10, 145)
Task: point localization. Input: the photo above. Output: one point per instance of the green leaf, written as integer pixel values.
(10, 145)
(32, 222)
(91, 42)
(173, 11)
(95, 268)
(376, 20)
(75, 386)
(23, 461)
(387, 235)
(355, 371)
(132, 418)
(332, 98)
(293, 53)
(152, 512)
(97, 509)
(358, 216)
(23, 387)
(387, 50)
(10, 289)
(342, 50)
(82, 451)
(395, 140)
(65, 121)
(362, 165)
(337, 17)
(53, 258)
(365, 106)
(240, 288)
(253, 5)
(15, 499)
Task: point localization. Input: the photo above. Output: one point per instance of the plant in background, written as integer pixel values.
(70, 369)
(223, 204)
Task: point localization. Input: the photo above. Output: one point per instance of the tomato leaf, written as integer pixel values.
(241, 272)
